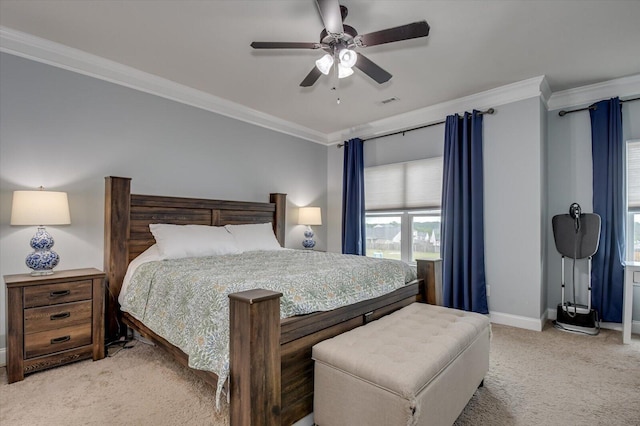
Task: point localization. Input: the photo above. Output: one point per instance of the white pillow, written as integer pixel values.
(178, 241)
(254, 236)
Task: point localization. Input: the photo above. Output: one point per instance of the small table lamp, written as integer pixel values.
(309, 216)
(41, 208)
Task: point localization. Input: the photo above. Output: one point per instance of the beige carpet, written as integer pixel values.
(548, 378)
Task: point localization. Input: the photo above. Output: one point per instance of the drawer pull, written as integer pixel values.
(60, 339)
(61, 315)
(367, 317)
(59, 293)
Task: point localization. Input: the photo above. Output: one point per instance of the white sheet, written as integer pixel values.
(149, 255)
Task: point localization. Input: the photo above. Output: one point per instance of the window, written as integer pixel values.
(633, 200)
(403, 209)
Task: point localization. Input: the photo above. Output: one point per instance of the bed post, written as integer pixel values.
(280, 200)
(430, 270)
(116, 251)
(254, 356)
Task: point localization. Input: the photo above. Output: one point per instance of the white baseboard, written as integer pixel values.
(3, 357)
(518, 321)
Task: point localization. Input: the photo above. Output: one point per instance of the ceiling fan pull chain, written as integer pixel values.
(335, 88)
(336, 75)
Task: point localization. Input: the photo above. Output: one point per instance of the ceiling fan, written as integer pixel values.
(339, 42)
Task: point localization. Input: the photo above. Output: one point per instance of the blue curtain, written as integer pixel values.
(353, 211)
(462, 234)
(607, 147)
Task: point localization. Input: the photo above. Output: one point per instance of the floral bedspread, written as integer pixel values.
(186, 300)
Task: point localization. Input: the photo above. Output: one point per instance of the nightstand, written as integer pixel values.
(53, 320)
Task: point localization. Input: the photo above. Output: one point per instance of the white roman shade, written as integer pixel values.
(402, 186)
(633, 174)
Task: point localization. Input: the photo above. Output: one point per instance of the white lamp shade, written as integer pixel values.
(348, 58)
(40, 208)
(344, 71)
(324, 64)
(309, 216)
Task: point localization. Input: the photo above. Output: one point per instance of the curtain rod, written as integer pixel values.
(489, 111)
(593, 107)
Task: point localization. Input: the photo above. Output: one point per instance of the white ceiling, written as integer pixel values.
(474, 46)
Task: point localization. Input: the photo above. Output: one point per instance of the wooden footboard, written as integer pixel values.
(271, 370)
(278, 388)
(298, 335)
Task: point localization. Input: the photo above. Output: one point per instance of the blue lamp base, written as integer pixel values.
(308, 241)
(43, 259)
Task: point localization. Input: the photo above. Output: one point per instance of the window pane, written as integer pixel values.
(633, 201)
(633, 174)
(384, 236)
(426, 237)
(635, 234)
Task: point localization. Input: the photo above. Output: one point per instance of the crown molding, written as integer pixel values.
(51, 53)
(41, 50)
(503, 95)
(626, 86)
(545, 92)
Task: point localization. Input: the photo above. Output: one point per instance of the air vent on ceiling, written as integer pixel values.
(388, 101)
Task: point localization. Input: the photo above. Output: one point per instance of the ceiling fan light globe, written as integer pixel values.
(324, 64)
(348, 58)
(344, 71)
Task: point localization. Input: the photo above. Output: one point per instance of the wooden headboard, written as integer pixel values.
(127, 218)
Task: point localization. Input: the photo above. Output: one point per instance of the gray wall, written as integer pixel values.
(67, 131)
(416, 145)
(514, 198)
(570, 180)
(334, 198)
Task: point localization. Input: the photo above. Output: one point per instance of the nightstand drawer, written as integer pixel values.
(57, 316)
(52, 294)
(47, 342)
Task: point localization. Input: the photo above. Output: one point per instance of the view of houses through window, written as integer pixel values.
(405, 235)
(635, 226)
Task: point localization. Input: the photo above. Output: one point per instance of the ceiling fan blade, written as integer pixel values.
(284, 45)
(403, 32)
(365, 65)
(331, 16)
(311, 78)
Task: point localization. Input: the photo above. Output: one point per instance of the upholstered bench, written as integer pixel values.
(417, 366)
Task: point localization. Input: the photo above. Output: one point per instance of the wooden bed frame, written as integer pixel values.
(271, 370)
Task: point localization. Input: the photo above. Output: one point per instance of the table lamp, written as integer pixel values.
(41, 208)
(309, 216)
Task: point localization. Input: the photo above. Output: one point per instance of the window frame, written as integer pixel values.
(406, 227)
